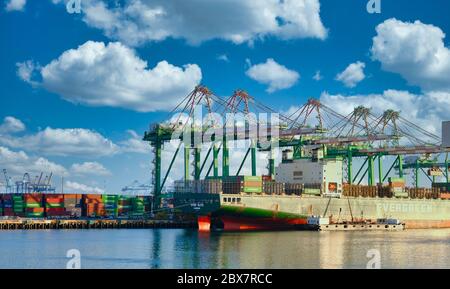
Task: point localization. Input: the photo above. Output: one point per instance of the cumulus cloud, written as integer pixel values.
(276, 76)
(426, 110)
(90, 168)
(26, 71)
(64, 142)
(113, 75)
(18, 162)
(135, 144)
(82, 188)
(223, 57)
(416, 51)
(139, 21)
(317, 76)
(15, 5)
(11, 125)
(352, 75)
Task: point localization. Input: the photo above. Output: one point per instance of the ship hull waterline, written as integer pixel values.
(269, 212)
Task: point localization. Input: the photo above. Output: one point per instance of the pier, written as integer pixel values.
(35, 224)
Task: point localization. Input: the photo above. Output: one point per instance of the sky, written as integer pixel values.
(80, 89)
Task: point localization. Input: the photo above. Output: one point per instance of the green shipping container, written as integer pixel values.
(252, 189)
(252, 179)
(314, 192)
(401, 194)
(32, 205)
(34, 215)
(54, 205)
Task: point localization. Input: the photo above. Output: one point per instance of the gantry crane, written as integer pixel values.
(314, 126)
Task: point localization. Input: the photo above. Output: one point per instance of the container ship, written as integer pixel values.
(303, 189)
(317, 179)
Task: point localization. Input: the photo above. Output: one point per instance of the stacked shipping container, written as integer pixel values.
(54, 205)
(93, 206)
(137, 207)
(72, 204)
(8, 205)
(110, 205)
(18, 205)
(397, 186)
(245, 184)
(124, 205)
(33, 206)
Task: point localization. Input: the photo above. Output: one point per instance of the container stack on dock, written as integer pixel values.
(110, 205)
(72, 204)
(123, 205)
(93, 205)
(54, 205)
(18, 205)
(37, 205)
(33, 206)
(7, 205)
(137, 207)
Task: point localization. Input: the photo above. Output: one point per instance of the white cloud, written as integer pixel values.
(25, 71)
(64, 142)
(223, 57)
(135, 22)
(81, 188)
(273, 74)
(317, 76)
(135, 144)
(426, 110)
(90, 168)
(15, 5)
(353, 74)
(19, 163)
(11, 125)
(414, 50)
(113, 75)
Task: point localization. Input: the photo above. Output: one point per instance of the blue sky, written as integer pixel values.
(407, 74)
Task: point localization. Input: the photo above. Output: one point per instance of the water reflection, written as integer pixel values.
(191, 249)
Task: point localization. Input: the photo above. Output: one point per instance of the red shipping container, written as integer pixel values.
(55, 210)
(57, 214)
(8, 212)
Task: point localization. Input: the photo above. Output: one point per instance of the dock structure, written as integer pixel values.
(361, 227)
(36, 224)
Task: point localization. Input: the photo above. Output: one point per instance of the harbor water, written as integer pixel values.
(187, 248)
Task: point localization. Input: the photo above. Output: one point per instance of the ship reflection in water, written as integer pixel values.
(163, 248)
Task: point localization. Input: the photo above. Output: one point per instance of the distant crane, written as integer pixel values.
(8, 186)
(27, 186)
(138, 189)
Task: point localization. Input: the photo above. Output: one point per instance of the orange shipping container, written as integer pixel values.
(35, 210)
